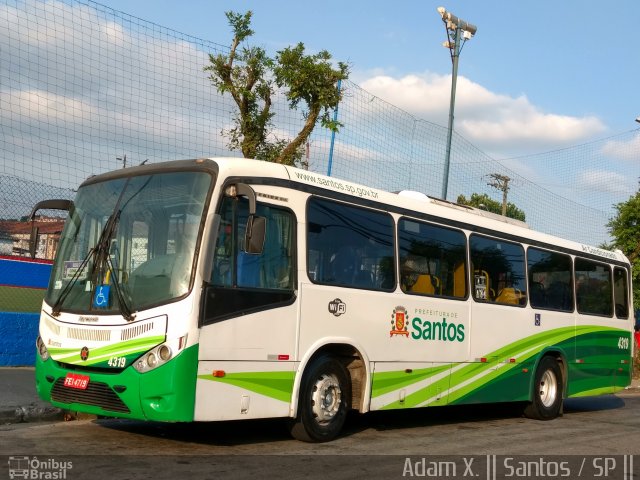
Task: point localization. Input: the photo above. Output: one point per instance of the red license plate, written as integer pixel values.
(75, 380)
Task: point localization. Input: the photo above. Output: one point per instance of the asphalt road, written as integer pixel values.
(375, 445)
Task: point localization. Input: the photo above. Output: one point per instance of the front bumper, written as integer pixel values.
(165, 394)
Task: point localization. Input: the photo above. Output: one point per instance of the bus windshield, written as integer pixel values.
(129, 243)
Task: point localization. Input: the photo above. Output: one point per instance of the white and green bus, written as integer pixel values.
(225, 289)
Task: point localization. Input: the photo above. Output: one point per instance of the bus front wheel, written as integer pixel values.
(325, 396)
(546, 403)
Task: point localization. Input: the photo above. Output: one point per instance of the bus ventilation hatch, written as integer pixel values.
(97, 394)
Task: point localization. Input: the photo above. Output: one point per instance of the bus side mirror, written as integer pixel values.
(33, 240)
(255, 234)
(55, 204)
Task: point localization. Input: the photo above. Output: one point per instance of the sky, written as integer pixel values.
(538, 75)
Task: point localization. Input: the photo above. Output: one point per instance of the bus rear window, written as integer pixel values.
(593, 288)
(550, 280)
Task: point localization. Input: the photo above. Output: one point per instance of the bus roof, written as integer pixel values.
(404, 202)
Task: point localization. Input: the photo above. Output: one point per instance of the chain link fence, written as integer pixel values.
(85, 89)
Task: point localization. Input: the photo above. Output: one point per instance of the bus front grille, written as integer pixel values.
(97, 394)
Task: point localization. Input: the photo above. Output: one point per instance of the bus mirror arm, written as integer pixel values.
(57, 204)
(256, 225)
(244, 190)
(33, 240)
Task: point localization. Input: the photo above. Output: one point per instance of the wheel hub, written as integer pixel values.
(326, 398)
(548, 388)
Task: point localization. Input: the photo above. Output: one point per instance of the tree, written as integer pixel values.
(625, 230)
(251, 77)
(486, 203)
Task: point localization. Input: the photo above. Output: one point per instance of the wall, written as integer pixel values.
(22, 287)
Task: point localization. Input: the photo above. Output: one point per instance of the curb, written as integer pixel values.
(30, 413)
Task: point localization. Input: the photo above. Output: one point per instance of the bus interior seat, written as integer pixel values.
(510, 296)
(459, 281)
(425, 284)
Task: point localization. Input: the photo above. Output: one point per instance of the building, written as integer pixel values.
(14, 237)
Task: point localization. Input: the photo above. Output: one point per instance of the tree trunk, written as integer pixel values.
(287, 156)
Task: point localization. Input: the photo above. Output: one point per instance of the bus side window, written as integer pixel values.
(550, 280)
(271, 269)
(593, 288)
(621, 292)
(349, 246)
(432, 259)
(499, 271)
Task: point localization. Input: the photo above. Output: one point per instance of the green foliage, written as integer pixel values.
(625, 230)
(250, 76)
(242, 74)
(486, 203)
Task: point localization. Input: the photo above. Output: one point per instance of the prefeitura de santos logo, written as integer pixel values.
(442, 329)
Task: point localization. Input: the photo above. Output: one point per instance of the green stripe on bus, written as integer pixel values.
(385, 382)
(277, 385)
(99, 354)
(472, 377)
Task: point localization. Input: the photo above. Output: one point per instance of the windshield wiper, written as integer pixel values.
(103, 258)
(91, 254)
(105, 249)
(100, 256)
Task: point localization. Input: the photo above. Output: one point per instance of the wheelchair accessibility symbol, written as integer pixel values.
(101, 297)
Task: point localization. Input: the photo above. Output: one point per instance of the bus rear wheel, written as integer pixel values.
(546, 403)
(325, 396)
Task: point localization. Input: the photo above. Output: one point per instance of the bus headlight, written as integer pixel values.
(164, 352)
(42, 349)
(160, 355)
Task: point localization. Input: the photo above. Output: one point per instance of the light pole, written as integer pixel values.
(455, 28)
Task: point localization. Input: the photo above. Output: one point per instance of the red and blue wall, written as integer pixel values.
(22, 288)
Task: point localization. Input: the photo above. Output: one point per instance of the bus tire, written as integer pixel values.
(325, 398)
(546, 403)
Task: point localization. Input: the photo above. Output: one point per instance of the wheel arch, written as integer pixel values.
(355, 360)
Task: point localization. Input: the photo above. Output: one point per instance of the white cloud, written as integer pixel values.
(493, 122)
(627, 151)
(603, 181)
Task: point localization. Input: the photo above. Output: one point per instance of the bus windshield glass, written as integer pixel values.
(129, 243)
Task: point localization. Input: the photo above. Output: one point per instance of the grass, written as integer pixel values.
(17, 299)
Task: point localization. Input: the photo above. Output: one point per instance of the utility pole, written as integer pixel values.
(501, 182)
(123, 160)
(456, 28)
